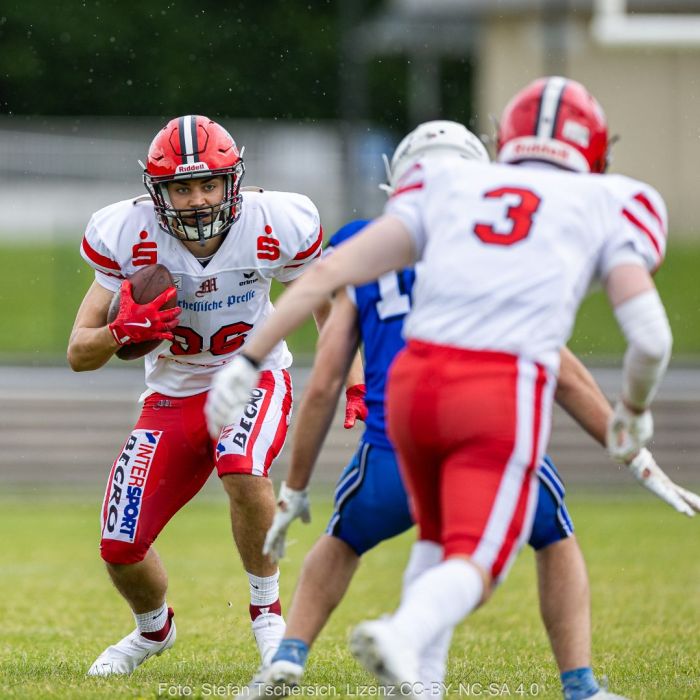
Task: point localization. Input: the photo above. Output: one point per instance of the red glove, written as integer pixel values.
(136, 323)
(355, 407)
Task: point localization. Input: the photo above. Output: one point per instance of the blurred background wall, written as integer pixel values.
(316, 92)
(69, 167)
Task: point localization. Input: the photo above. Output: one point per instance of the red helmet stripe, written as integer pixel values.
(549, 107)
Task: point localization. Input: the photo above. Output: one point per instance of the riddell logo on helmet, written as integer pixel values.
(191, 168)
(541, 149)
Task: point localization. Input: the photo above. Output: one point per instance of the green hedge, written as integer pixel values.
(41, 288)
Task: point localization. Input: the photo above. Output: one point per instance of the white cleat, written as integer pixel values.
(268, 630)
(127, 655)
(604, 694)
(394, 663)
(279, 678)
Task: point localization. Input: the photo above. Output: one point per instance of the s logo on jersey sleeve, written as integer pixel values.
(144, 253)
(268, 245)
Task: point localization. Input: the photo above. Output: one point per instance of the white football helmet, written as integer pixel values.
(434, 137)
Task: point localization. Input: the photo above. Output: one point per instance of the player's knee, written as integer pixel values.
(247, 491)
(117, 552)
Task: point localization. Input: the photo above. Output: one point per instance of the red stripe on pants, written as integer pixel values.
(516, 524)
(453, 416)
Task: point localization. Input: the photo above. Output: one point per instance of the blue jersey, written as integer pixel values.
(381, 308)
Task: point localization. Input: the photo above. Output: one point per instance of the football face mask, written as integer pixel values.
(194, 148)
(198, 208)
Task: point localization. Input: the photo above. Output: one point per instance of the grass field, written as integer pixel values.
(41, 288)
(57, 610)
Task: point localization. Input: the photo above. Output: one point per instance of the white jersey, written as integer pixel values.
(508, 252)
(276, 237)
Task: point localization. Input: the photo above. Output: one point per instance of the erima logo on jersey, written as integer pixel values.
(248, 278)
(191, 168)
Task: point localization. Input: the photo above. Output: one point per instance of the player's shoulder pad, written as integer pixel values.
(293, 217)
(643, 213)
(347, 231)
(102, 243)
(108, 222)
(637, 196)
(280, 204)
(413, 179)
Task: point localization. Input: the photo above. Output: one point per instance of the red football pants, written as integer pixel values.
(470, 427)
(169, 456)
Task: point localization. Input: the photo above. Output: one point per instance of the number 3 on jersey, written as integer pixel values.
(518, 217)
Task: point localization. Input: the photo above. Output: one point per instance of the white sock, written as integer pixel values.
(436, 601)
(433, 660)
(152, 621)
(424, 555)
(264, 590)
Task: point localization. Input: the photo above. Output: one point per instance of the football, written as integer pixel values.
(146, 284)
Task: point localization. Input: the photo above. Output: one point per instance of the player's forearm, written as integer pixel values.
(313, 421)
(645, 325)
(356, 373)
(90, 348)
(321, 314)
(336, 346)
(642, 319)
(580, 396)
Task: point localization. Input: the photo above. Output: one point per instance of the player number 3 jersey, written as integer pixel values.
(508, 252)
(277, 236)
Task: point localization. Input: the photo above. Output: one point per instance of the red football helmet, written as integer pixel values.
(194, 147)
(558, 121)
